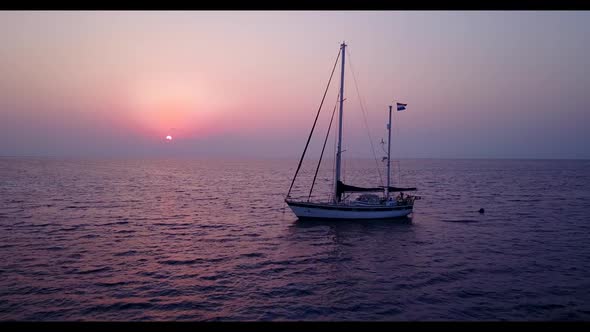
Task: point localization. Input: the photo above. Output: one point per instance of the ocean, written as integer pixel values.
(182, 239)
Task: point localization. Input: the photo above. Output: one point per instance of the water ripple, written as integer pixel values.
(213, 240)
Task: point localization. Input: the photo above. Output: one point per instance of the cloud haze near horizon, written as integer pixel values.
(248, 84)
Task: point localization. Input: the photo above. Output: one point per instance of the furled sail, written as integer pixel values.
(392, 189)
(342, 188)
(348, 188)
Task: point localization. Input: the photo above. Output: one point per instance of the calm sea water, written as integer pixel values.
(213, 240)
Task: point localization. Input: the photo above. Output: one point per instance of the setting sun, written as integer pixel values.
(168, 138)
(163, 101)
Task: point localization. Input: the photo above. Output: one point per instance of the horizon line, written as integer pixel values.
(274, 158)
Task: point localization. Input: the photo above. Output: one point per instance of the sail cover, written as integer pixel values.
(400, 189)
(342, 188)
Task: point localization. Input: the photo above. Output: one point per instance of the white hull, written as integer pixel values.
(328, 211)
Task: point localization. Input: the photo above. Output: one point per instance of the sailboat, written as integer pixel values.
(343, 204)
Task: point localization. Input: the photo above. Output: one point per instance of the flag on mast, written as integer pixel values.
(401, 107)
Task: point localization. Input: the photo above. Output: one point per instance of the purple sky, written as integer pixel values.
(248, 84)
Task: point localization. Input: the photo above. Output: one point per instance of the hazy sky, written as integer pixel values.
(478, 84)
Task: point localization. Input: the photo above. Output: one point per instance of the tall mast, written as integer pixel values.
(388, 152)
(339, 152)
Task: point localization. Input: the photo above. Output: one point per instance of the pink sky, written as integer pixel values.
(477, 84)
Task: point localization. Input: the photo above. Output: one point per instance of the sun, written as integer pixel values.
(168, 138)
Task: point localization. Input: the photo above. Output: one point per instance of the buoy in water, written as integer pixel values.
(481, 210)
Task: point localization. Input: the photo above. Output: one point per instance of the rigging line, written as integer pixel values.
(395, 149)
(334, 163)
(314, 123)
(402, 154)
(344, 170)
(323, 148)
(399, 161)
(364, 117)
